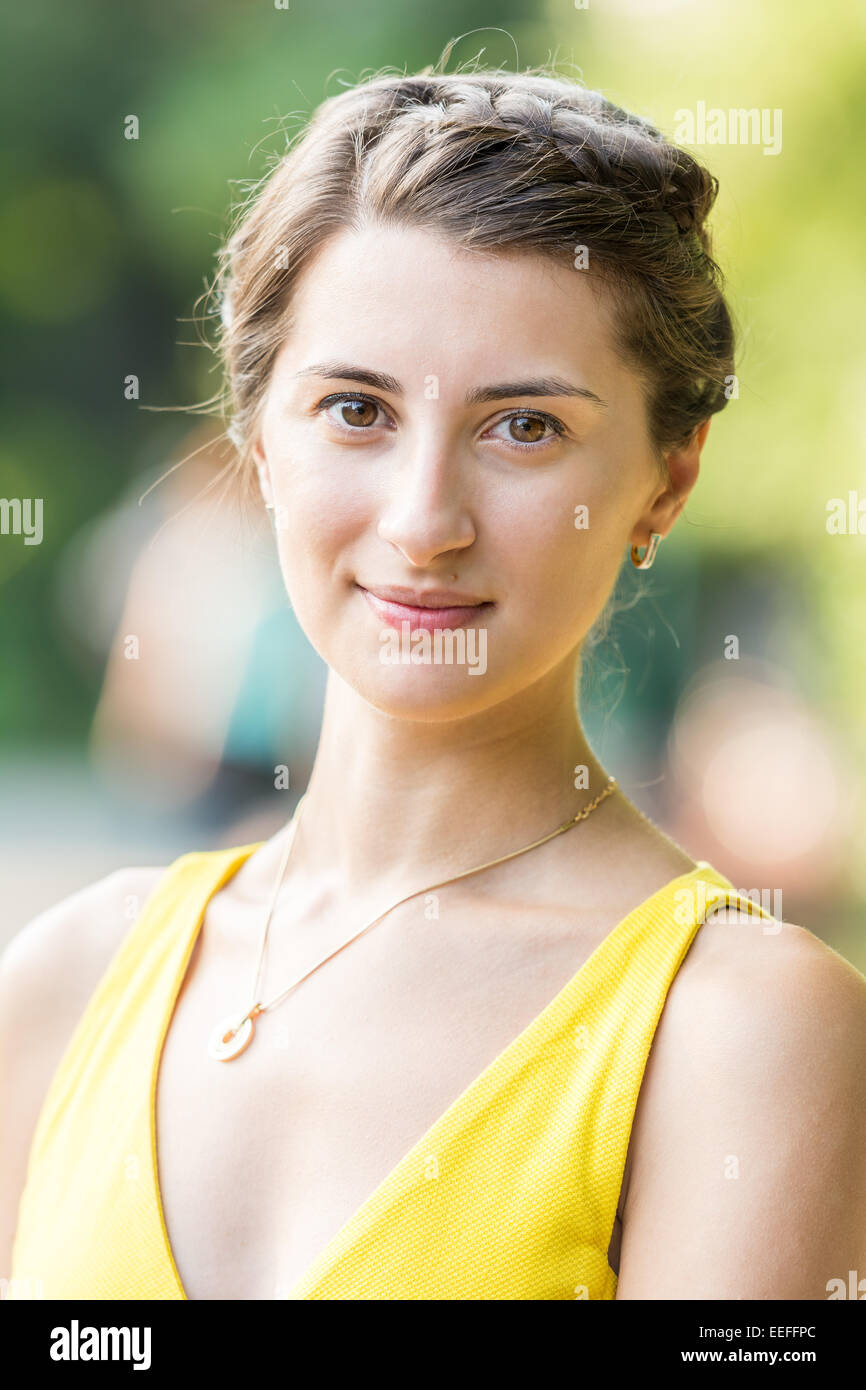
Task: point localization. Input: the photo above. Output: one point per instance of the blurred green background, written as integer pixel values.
(757, 764)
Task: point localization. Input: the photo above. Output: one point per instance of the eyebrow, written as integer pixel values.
(531, 386)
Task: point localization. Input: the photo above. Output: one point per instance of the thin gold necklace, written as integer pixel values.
(233, 1034)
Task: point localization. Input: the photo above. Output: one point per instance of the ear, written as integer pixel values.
(264, 474)
(683, 465)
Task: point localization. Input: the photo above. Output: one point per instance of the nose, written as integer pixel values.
(426, 514)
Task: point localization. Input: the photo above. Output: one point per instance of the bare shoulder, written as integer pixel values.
(52, 965)
(746, 1173)
(70, 943)
(48, 972)
(751, 981)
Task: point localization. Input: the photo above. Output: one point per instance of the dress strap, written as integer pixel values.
(627, 1004)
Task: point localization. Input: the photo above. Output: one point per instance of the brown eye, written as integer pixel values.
(531, 430)
(527, 429)
(358, 412)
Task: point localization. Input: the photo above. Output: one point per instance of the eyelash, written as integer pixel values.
(341, 397)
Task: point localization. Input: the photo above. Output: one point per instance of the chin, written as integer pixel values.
(424, 693)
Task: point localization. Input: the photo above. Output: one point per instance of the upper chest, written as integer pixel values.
(263, 1159)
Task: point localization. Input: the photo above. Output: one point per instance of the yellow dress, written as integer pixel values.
(511, 1194)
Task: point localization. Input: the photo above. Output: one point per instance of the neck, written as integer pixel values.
(400, 802)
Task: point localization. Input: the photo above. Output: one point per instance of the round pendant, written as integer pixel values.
(230, 1037)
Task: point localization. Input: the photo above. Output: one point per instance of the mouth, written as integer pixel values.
(425, 608)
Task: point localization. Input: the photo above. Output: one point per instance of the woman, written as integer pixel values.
(474, 338)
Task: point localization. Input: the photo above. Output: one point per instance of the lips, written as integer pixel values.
(426, 608)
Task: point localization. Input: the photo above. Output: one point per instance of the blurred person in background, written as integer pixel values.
(210, 685)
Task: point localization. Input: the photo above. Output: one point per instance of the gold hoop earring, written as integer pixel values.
(649, 553)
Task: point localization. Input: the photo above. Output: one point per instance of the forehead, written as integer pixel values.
(389, 295)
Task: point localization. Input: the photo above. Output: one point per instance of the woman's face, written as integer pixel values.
(439, 420)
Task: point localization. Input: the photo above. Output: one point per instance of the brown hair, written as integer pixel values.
(499, 162)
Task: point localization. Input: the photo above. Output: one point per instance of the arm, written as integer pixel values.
(749, 1166)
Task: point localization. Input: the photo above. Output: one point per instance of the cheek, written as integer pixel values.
(318, 522)
(312, 491)
(562, 591)
(561, 547)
